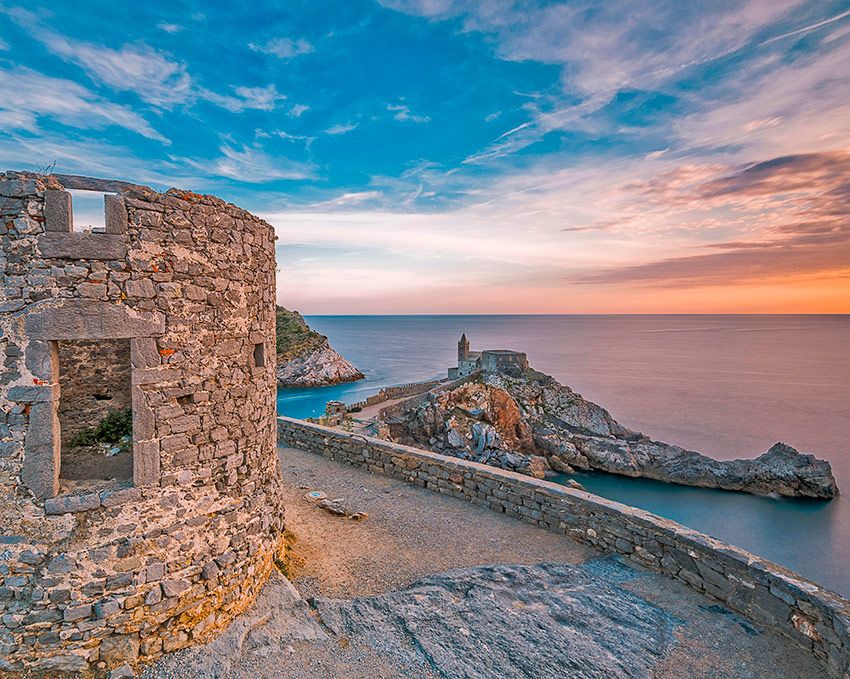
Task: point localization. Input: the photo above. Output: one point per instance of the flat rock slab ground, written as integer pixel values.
(431, 586)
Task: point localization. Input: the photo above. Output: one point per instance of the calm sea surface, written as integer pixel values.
(727, 386)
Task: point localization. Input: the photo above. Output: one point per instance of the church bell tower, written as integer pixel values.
(463, 348)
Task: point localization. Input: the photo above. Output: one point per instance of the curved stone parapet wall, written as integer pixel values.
(770, 596)
(93, 575)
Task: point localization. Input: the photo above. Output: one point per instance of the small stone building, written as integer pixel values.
(489, 360)
(160, 326)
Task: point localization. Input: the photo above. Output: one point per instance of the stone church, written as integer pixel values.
(489, 360)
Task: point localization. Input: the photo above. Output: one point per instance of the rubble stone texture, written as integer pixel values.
(94, 575)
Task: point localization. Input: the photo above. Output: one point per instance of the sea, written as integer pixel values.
(728, 386)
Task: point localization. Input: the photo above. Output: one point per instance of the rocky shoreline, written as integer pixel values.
(305, 358)
(318, 367)
(527, 422)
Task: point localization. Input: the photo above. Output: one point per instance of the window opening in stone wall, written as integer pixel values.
(95, 413)
(259, 356)
(88, 210)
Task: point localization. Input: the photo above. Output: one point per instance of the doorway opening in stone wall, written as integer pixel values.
(95, 413)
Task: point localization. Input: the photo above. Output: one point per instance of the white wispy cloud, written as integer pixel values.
(244, 98)
(29, 95)
(347, 200)
(297, 109)
(773, 107)
(402, 112)
(170, 28)
(154, 76)
(283, 48)
(3, 45)
(603, 49)
(340, 128)
(251, 164)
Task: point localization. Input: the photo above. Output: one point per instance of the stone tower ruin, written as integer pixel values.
(165, 317)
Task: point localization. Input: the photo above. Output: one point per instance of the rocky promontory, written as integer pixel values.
(305, 358)
(527, 422)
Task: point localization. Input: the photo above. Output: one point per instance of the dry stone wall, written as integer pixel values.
(767, 594)
(98, 575)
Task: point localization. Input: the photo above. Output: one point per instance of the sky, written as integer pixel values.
(439, 156)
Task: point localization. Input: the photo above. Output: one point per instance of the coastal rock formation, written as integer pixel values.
(305, 358)
(528, 422)
(545, 620)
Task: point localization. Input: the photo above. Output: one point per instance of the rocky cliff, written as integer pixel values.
(528, 422)
(305, 358)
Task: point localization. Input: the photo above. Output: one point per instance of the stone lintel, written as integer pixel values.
(76, 319)
(78, 182)
(78, 245)
(58, 214)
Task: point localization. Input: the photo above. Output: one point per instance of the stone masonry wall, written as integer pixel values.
(102, 576)
(767, 594)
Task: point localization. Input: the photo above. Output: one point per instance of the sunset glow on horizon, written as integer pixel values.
(439, 156)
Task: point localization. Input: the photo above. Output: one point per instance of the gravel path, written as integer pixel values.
(411, 534)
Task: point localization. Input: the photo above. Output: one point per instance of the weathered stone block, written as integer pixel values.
(42, 447)
(74, 613)
(176, 587)
(119, 648)
(34, 393)
(65, 504)
(58, 213)
(61, 663)
(89, 319)
(79, 245)
(115, 214)
(144, 353)
(146, 463)
(115, 498)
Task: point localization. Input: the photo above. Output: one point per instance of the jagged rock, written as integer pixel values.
(339, 508)
(508, 420)
(305, 358)
(321, 366)
(484, 436)
(455, 439)
(510, 621)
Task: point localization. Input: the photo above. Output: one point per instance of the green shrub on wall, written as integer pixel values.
(115, 428)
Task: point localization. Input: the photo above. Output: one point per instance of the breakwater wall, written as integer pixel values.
(394, 392)
(769, 595)
(438, 386)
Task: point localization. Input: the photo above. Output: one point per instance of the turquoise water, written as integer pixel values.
(728, 386)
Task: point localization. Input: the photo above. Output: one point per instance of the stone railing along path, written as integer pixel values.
(767, 594)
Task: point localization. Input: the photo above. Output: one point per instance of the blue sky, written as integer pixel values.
(438, 156)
